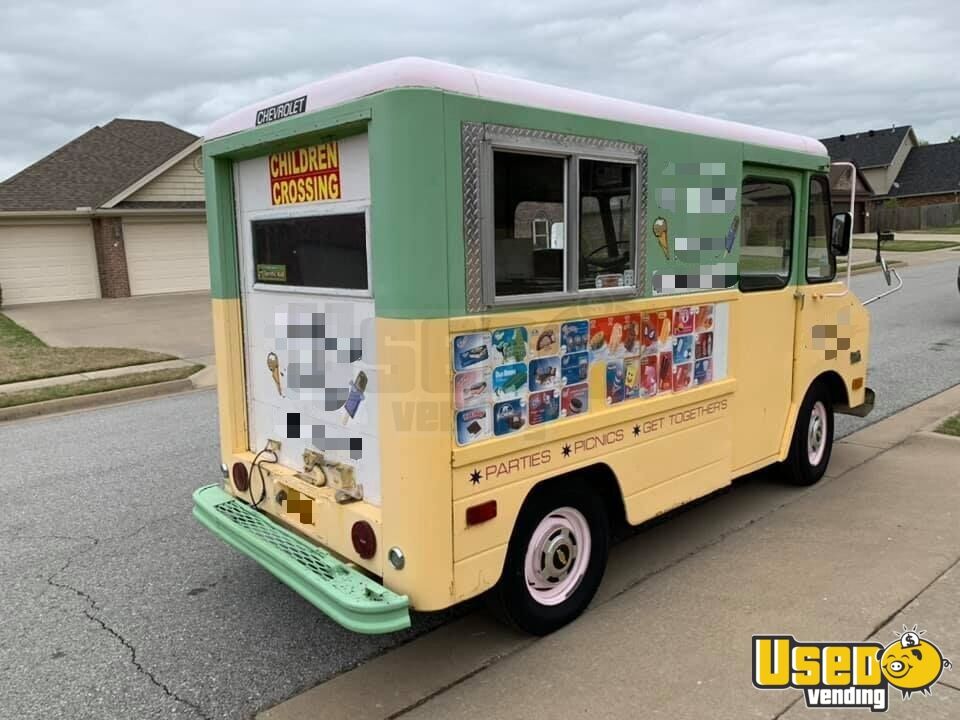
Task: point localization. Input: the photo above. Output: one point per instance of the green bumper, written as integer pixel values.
(348, 596)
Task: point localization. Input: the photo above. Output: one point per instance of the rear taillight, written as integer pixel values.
(241, 479)
(364, 539)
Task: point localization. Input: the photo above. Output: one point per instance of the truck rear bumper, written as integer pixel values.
(869, 400)
(340, 591)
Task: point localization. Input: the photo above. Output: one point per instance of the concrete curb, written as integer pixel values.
(92, 400)
(205, 378)
(93, 375)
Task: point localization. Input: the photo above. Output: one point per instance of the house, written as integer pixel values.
(901, 183)
(929, 176)
(840, 192)
(879, 156)
(118, 211)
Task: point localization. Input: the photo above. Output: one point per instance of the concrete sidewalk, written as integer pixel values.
(913, 236)
(873, 546)
(926, 257)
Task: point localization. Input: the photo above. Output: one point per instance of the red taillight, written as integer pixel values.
(481, 513)
(241, 479)
(364, 539)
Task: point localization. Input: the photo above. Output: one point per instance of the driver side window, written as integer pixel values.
(607, 223)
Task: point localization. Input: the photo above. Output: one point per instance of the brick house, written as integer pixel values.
(118, 211)
(894, 173)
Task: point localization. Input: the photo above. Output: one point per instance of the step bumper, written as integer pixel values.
(869, 400)
(335, 588)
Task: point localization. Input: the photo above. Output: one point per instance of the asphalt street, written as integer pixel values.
(915, 339)
(117, 604)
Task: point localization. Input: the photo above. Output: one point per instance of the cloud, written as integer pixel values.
(817, 68)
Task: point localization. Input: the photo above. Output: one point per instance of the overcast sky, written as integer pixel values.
(814, 67)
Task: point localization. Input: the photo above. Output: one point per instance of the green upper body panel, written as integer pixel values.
(416, 180)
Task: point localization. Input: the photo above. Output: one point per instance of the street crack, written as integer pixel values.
(94, 606)
(142, 670)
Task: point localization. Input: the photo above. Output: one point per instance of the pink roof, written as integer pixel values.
(422, 73)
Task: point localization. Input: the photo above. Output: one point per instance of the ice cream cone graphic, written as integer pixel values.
(273, 365)
(663, 236)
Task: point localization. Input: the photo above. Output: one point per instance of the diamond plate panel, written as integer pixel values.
(471, 139)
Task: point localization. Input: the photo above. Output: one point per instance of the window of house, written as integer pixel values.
(607, 228)
(536, 184)
(541, 233)
(821, 264)
(767, 234)
(323, 251)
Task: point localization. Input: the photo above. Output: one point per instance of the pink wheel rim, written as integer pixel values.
(817, 434)
(557, 556)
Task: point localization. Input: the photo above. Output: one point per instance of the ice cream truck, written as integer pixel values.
(465, 324)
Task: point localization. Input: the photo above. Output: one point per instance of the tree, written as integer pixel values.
(954, 138)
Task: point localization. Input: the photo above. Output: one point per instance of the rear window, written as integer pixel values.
(323, 251)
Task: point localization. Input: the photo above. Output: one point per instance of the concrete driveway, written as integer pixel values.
(178, 324)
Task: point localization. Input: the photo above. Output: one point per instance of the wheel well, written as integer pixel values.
(599, 476)
(835, 386)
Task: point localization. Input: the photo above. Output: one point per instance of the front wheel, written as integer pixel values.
(555, 560)
(812, 441)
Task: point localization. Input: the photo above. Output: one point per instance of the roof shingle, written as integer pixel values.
(929, 169)
(867, 149)
(92, 168)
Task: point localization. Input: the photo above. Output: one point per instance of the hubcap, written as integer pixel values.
(557, 556)
(817, 434)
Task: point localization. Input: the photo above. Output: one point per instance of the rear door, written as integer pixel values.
(308, 305)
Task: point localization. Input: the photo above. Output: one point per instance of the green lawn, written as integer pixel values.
(950, 426)
(752, 265)
(86, 387)
(905, 245)
(24, 356)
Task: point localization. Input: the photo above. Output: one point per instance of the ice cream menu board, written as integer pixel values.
(514, 378)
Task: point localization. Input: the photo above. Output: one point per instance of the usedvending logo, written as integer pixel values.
(848, 675)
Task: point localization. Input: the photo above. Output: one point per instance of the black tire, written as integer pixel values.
(512, 600)
(799, 468)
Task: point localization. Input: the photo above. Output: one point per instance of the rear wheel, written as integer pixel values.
(555, 560)
(812, 442)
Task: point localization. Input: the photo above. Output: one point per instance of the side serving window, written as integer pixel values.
(528, 187)
(767, 234)
(821, 264)
(321, 251)
(552, 217)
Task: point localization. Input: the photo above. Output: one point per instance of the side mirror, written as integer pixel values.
(886, 270)
(882, 237)
(841, 233)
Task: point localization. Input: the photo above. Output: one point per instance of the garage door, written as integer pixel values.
(42, 263)
(166, 257)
